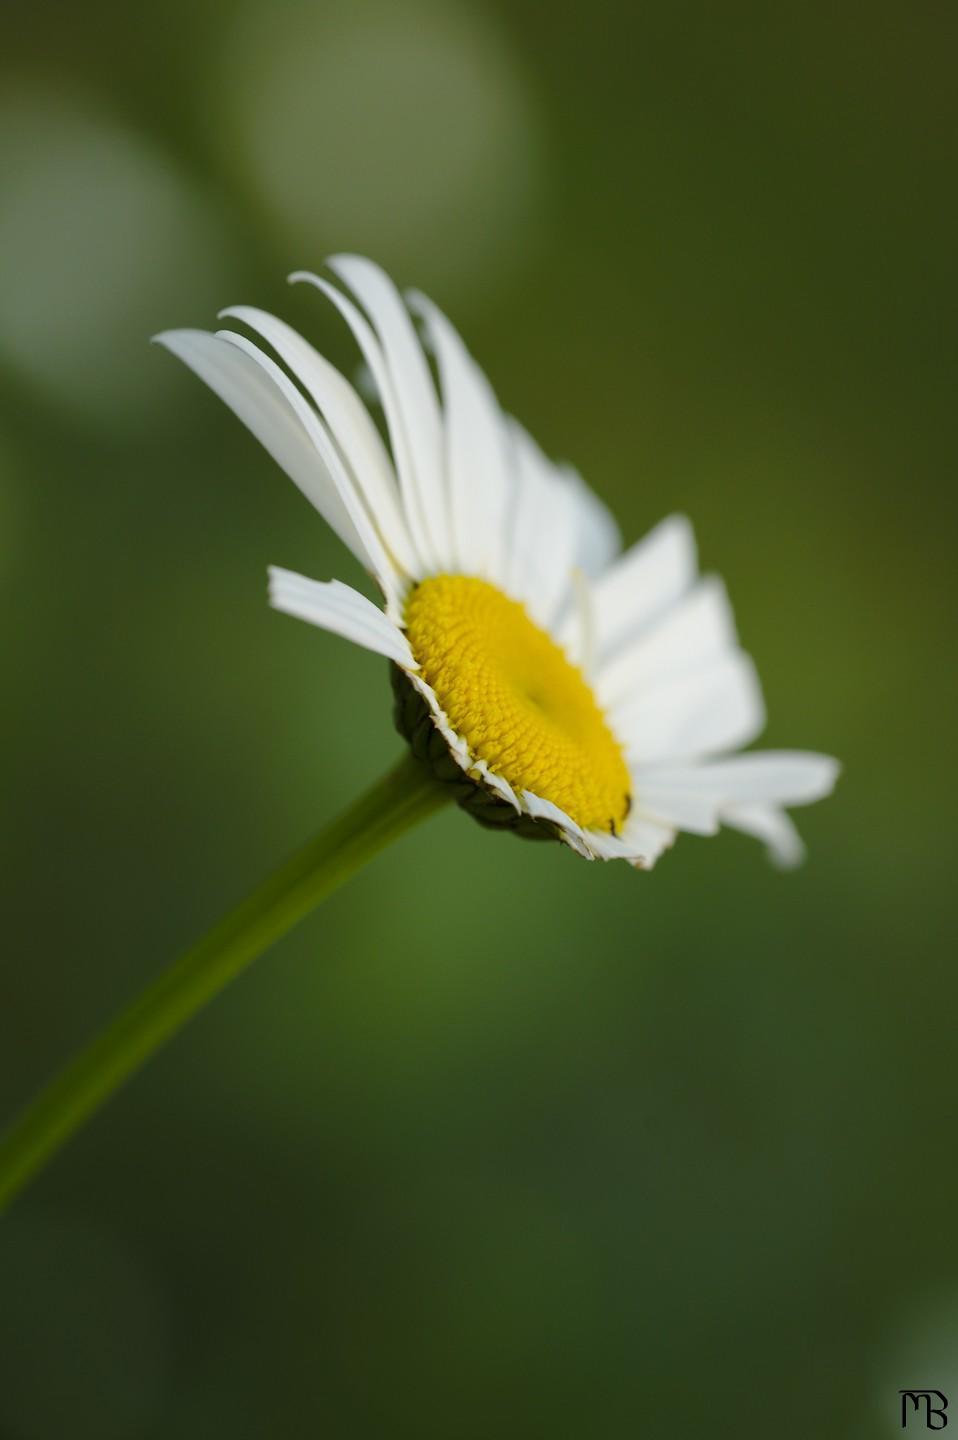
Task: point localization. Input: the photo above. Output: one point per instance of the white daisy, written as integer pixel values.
(565, 689)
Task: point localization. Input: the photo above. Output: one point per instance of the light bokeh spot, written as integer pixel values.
(408, 133)
(102, 242)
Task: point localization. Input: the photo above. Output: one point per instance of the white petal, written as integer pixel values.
(263, 406)
(644, 583)
(570, 832)
(428, 558)
(648, 839)
(476, 452)
(767, 823)
(608, 847)
(641, 842)
(349, 422)
(530, 518)
(776, 777)
(413, 385)
(693, 632)
(696, 814)
(542, 550)
(340, 609)
(458, 748)
(577, 628)
(559, 532)
(498, 783)
(700, 712)
(599, 540)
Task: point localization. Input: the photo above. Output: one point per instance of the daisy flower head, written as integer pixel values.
(563, 688)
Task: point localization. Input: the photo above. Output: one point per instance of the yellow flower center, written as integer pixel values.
(516, 700)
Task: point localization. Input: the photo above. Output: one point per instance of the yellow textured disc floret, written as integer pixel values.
(517, 701)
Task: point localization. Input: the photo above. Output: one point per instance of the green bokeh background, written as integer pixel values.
(500, 1143)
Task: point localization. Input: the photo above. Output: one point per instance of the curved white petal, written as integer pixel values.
(766, 822)
(428, 557)
(268, 412)
(340, 609)
(413, 386)
(693, 632)
(476, 453)
(349, 422)
(695, 713)
(380, 563)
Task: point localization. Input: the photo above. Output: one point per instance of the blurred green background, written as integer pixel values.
(500, 1143)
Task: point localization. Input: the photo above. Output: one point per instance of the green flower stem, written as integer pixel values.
(406, 795)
